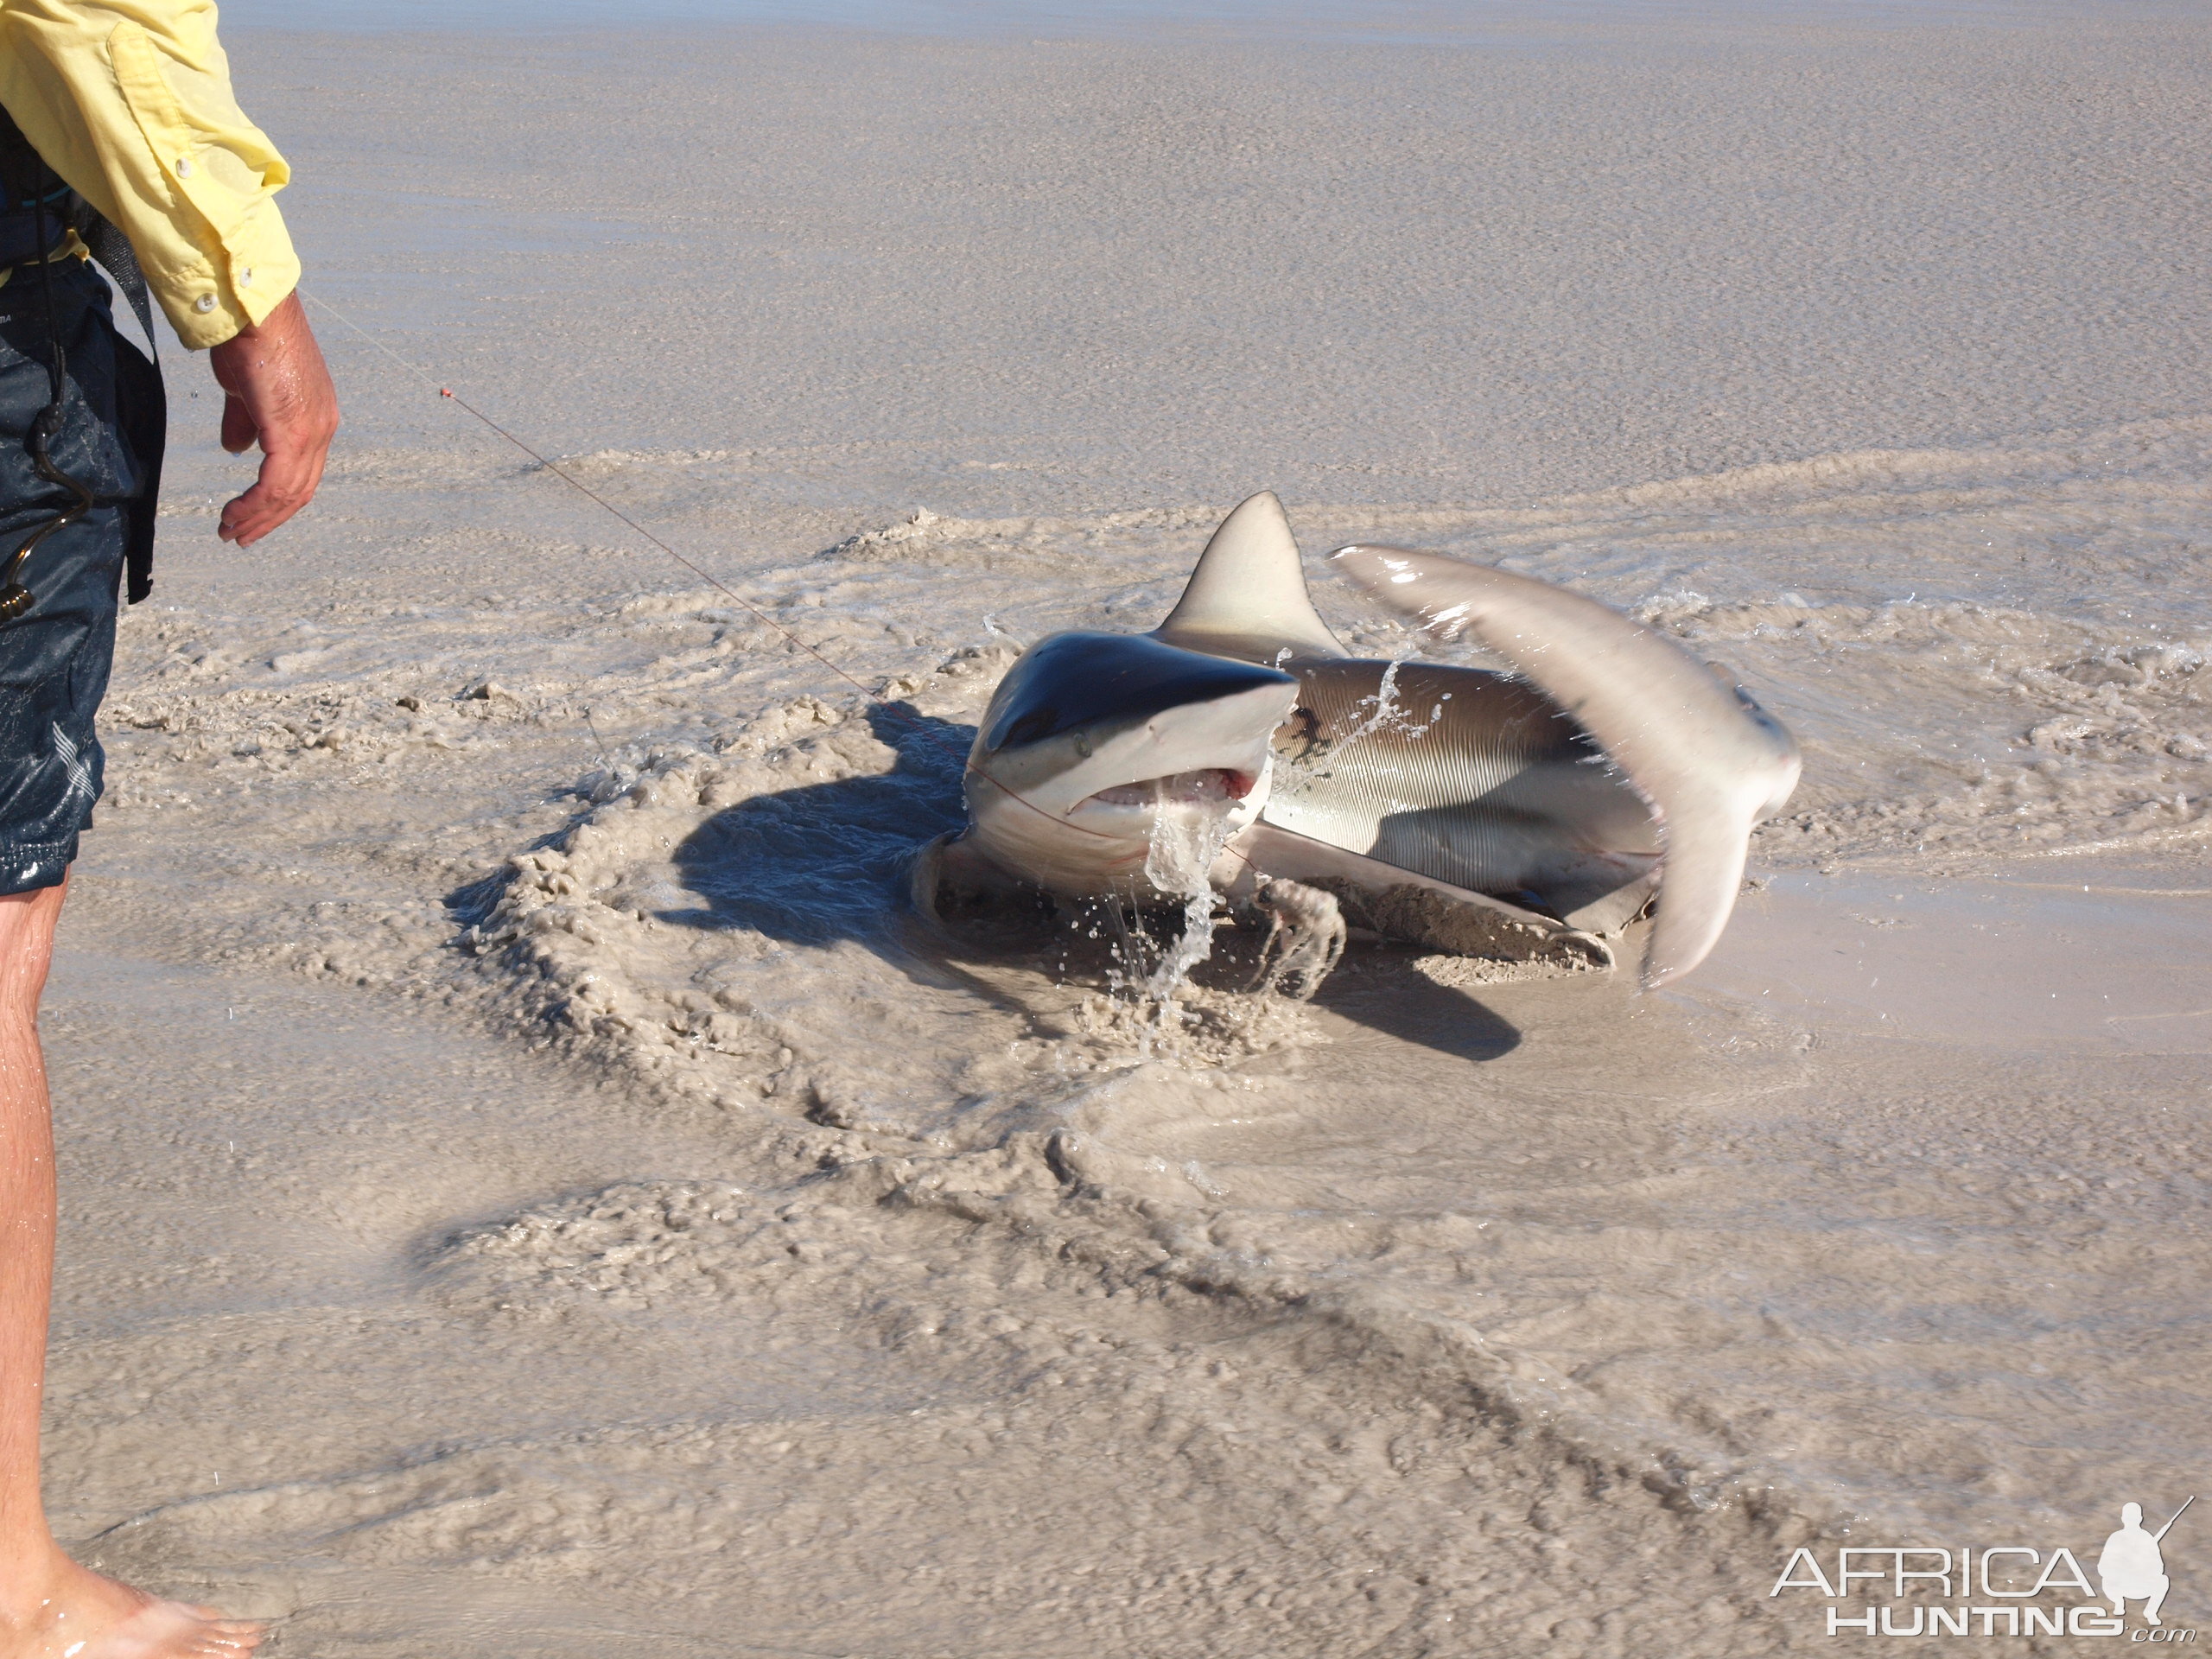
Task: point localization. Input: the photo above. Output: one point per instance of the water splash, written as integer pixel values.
(1180, 860)
(1146, 994)
(1385, 713)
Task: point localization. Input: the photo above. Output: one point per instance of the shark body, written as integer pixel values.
(1526, 814)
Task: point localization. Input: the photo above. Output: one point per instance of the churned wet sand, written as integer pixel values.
(531, 1187)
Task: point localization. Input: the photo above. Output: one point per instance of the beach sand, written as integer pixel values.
(531, 1188)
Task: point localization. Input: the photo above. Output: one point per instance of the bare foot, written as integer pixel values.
(170, 1630)
(86, 1616)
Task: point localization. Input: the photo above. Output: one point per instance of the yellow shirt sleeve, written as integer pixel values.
(129, 101)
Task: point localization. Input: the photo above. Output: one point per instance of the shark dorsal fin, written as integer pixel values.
(1247, 598)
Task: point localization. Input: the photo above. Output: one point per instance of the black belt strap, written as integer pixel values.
(111, 248)
(146, 406)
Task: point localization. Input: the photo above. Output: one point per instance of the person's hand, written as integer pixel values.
(277, 393)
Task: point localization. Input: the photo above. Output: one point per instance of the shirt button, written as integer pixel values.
(246, 276)
(184, 167)
(206, 303)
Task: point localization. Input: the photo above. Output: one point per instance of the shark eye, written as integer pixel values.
(1037, 723)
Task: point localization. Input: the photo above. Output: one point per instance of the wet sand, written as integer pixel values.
(529, 1187)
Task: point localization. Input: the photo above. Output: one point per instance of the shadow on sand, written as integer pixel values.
(825, 862)
(1377, 987)
(828, 861)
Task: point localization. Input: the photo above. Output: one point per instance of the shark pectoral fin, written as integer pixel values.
(925, 875)
(947, 872)
(1412, 908)
(924, 871)
(1605, 893)
(1246, 596)
(1710, 762)
(1233, 875)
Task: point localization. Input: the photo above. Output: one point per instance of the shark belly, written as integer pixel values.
(1466, 776)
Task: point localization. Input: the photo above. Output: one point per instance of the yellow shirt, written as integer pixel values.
(129, 101)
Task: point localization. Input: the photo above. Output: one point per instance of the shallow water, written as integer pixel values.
(649, 1208)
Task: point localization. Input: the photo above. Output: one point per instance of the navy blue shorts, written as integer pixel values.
(54, 659)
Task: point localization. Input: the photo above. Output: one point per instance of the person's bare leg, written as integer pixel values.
(50, 1607)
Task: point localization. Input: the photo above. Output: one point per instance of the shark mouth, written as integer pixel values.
(1217, 786)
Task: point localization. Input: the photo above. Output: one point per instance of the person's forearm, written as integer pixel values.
(133, 108)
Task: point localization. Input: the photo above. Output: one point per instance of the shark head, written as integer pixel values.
(1097, 748)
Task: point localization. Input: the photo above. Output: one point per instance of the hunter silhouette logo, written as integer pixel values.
(2001, 1590)
(2132, 1566)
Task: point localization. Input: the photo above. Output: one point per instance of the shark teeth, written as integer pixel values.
(1210, 786)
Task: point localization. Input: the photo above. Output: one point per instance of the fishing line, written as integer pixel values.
(877, 697)
(586, 491)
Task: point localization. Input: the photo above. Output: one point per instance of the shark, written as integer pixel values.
(1528, 813)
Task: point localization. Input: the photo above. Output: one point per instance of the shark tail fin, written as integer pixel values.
(1711, 762)
(1247, 598)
